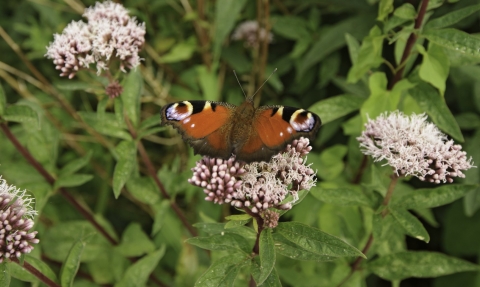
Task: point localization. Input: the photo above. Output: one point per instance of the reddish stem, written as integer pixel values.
(35, 272)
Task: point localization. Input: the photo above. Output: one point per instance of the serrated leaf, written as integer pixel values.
(225, 241)
(341, 196)
(223, 271)
(333, 39)
(4, 274)
(226, 13)
(385, 7)
(455, 40)
(267, 255)
(132, 88)
(273, 280)
(135, 242)
(429, 198)
(452, 17)
(290, 249)
(422, 264)
(3, 104)
(72, 263)
(143, 189)
(72, 180)
(435, 66)
(20, 114)
(380, 99)
(430, 101)
(335, 107)
(125, 165)
(76, 164)
(160, 211)
(106, 124)
(406, 11)
(316, 241)
(290, 27)
(137, 274)
(369, 55)
(410, 223)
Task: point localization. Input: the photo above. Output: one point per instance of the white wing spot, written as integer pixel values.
(281, 134)
(192, 126)
(186, 120)
(289, 130)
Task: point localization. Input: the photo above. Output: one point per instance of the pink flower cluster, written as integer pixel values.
(109, 33)
(15, 222)
(413, 146)
(257, 186)
(249, 32)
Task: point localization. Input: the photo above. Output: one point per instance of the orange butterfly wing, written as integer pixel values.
(203, 124)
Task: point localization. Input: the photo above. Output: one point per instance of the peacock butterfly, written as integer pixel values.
(219, 129)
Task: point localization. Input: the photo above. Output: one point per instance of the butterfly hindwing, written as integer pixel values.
(202, 124)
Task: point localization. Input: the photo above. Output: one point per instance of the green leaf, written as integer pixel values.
(72, 180)
(21, 114)
(381, 100)
(290, 249)
(143, 189)
(410, 223)
(435, 66)
(267, 255)
(135, 242)
(226, 13)
(369, 56)
(406, 11)
(4, 274)
(452, 18)
(137, 274)
(3, 104)
(219, 228)
(272, 280)
(455, 40)
(335, 107)
(208, 83)
(72, 263)
(430, 101)
(160, 211)
(152, 121)
(385, 7)
(106, 124)
(132, 89)
(316, 241)
(239, 217)
(125, 165)
(428, 198)
(223, 271)
(290, 27)
(180, 52)
(225, 241)
(237, 220)
(399, 266)
(333, 39)
(17, 271)
(76, 164)
(341, 196)
(353, 47)
(330, 163)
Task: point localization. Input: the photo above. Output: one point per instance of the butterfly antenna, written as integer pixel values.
(264, 82)
(239, 84)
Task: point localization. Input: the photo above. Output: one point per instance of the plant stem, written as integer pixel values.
(51, 180)
(410, 42)
(153, 173)
(35, 272)
(263, 53)
(388, 195)
(361, 170)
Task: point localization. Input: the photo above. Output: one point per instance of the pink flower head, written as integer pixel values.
(16, 215)
(249, 32)
(257, 186)
(109, 33)
(413, 146)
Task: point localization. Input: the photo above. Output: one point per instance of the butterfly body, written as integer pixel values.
(219, 129)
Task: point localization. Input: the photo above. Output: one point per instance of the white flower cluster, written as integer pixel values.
(249, 32)
(257, 185)
(16, 213)
(109, 33)
(413, 146)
